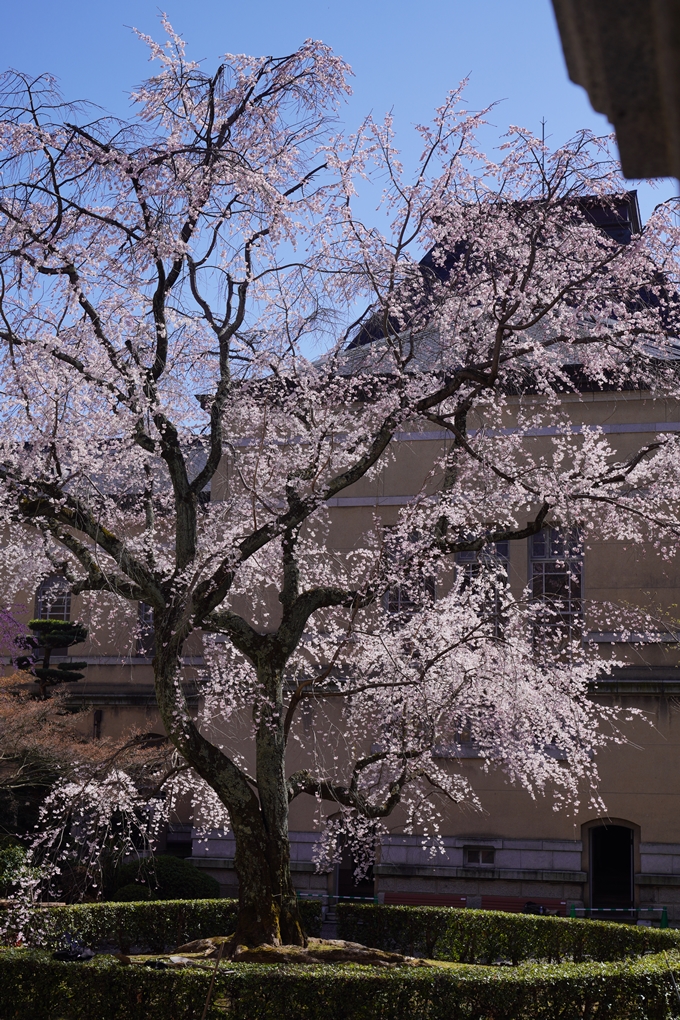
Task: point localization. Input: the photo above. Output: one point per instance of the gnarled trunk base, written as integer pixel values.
(268, 926)
(316, 951)
(268, 914)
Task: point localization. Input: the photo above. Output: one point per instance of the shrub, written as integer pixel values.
(163, 878)
(12, 859)
(134, 892)
(485, 936)
(33, 985)
(155, 925)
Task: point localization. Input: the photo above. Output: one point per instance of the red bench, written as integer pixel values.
(516, 904)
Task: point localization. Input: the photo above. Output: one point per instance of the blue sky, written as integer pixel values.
(405, 56)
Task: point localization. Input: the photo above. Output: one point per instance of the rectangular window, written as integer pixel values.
(178, 840)
(403, 598)
(471, 563)
(557, 583)
(413, 585)
(480, 857)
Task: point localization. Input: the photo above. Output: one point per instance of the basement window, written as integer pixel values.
(480, 857)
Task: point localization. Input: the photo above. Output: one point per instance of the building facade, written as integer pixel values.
(516, 850)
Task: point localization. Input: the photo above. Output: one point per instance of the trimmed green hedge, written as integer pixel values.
(156, 925)
(486, 936)
(33, 985)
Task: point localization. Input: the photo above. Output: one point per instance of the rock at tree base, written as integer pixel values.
(317, 951)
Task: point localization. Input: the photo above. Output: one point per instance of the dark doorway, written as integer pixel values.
(611, 866)
(347, 885)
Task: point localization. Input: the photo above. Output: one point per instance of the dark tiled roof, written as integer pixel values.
(618, 217)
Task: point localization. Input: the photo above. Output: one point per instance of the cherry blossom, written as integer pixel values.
(190, 304)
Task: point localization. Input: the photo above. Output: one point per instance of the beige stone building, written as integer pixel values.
(516, 850)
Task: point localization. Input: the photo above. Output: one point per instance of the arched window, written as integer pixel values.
(53, 599)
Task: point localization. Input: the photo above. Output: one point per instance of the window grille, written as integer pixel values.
(557, 583)
(403, 598)
(480, 856)
(53, 599)
(416, 586)
(471, 563)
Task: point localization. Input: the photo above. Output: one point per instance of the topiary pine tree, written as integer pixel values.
(49, 635)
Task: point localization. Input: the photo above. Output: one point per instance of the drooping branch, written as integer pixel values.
(97, 579)
(47, 501)
(306, 687)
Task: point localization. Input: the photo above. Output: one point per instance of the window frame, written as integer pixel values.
(480, 850)
(53, 581)
(470, 565)
(405, 607)
(569, 622)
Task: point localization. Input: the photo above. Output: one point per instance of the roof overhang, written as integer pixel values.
(626, 54)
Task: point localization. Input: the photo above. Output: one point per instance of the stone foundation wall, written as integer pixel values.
(524, 869)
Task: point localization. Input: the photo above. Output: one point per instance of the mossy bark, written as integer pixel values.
(268, 913)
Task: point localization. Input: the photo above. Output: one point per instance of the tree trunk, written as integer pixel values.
(273, 798)
(268, 913)
(267, 903)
